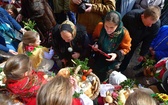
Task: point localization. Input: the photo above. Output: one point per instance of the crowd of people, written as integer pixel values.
(107, 32)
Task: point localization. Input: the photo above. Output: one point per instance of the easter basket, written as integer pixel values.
(90, 86)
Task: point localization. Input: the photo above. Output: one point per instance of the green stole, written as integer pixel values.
(110, 44)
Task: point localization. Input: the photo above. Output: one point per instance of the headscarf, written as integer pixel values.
(68, 26)
(110, 44)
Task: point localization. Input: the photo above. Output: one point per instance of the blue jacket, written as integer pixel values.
(6, 18)
(160, 43)
(3, 44)
(4, 15)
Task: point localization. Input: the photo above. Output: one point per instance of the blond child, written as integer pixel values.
(40, 56)
(140, 97)
(58, 91)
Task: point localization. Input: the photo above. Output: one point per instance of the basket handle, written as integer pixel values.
(77, 69)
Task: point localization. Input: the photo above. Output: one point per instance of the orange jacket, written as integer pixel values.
(125, 44)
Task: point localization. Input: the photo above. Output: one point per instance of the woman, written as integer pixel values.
(40, 12)
(114, 40)
(70, 42)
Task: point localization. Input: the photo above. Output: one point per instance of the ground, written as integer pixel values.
(130, 73)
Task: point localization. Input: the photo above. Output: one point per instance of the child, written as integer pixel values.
(40, 56)
(114, 40)
(58, 91)
(12, 10)
(139, 97)
(22, 81)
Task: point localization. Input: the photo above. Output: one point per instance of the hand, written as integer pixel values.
(95, 47)
(73, 81)
(23, 30)
(113, 56)
(48, 78)
(64, 61)
(19, 18)
(13, 52)
(76, 55)
(141, 58)
(77, 1)
(51, 51)
(13, 1)
(150, 48)
(152, 51)
(89, 7)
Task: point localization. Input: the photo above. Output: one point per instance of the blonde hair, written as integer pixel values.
(139, 97)
(17, 66)
(30, 37)
(152, 11)
(58, 91)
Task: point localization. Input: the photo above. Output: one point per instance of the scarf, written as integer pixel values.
(110, 43)
(27, 87)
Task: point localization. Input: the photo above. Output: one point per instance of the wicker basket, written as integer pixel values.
(76, 70)
(96, 93)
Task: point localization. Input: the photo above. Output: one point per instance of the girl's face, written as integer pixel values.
(67, 36)
(10, 12)
(37, 42)
(110, 27)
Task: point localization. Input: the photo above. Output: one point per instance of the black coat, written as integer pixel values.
(138, 31)
(79, 43)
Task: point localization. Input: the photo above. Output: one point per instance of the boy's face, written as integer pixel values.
(148, 21)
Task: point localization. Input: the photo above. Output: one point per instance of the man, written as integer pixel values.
(143, 26)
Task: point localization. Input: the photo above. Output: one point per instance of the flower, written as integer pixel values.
(29, 50)
(163, 97)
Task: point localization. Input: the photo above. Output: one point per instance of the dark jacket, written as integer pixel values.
(138, 31)
(79, 43)
(40, 12)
